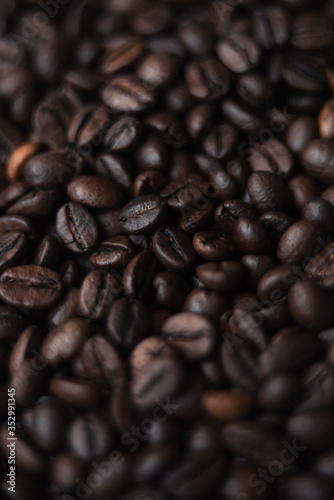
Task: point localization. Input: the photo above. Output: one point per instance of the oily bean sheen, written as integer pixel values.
(77, 228)
(166, 249)
(95, 192)
(143, 214)
(30, 286)
(173, 248)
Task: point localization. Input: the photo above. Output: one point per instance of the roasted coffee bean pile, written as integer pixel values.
(167, 249)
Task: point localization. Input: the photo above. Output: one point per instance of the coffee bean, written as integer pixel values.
(128, 322)
(45, 424)
(273, 156)
(313, 429)
(279, 392)
(66, 308)
(307, 486)
(18, 158)
(268, 192)
(256, 266)
(143, 214)
(320, 212)
(303, 189)
(171, 289)
(64, 341)
(326, 121)
(95, 192)
(153, 461)
(311, 306)
(238, 52)
(152, 154)
(33, 287)
(240, 358)
(98, 291)
(243, 117)
(139, 274)
(87, 127)
(127, 94)
(317, 384)
(173, 248)
(223, 276)
(123, 135)
(271, 26)
(236, 483)
(122, 55)
(190, 333)
(89, 436)
(230, 211)
(300, 347)
(81, 394)
(303, 74)
(214, 245)
(250, 237)
(300, 132)
(228, 405)
(158, 70)
(207, 80)
(169, 129)
(47, 170)
(298, 243)
(150, 361)
(17, 223)
(199, 121)
(117, 170)
(320, 267)
(13, 246)
(102, 363)
(149, 182)
(206, 302)
(221, 141)
(114, 253)
(36, 204)
(317, 159)
(253, 89)
(66, 469)
(12, 323)
(77, 228)
(312, 31)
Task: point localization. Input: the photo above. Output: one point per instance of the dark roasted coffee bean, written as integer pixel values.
(279, 393)
(144, 214)
(125, 53)
(192, 334)
(276, 223)
(70, 273)
(64, 341)
(307, 486)
(320, 212)
(194, 220)
(256, 266)
(36, 204)
(300, 132)
(33, 287)
(311, 306)
(198, 474)
(312, 31)
(303, 73)
(254, 441)
(13, 247)
(326, 121)
(228, 405)
(158, 70)
(313, 429)
(317, 159)
(153, 461)
(214, 245)
(223, 276)
(123, 135)
(199, 121)
(81, 394)
(48, 252)
(95, 192)
(13, 193)
(139, 274)
(298, 243)
(47, 170)
(152, 154)
(238, 52)
(149, 182)
(127, 94)
(272, 156)
(253, 89)
(89, 436)
(87, 127)
(98, 291)
(207, 80)
(102, 363)
(117, 170)
(317, 384)
(178, 100)
(303, 189)
(276, 282)
(66, 469)
(171, 289)
(114, 253)
(243, 117)
(221, 141)
(206, 302)
(26, 347)
(271, 26)
(230, 211)
(268, 192)
(150, 361)
(45, 424)
(185, 192)
(291, 348)
(174, 250)
(195, 37)
(17, 223)
(169, 129)
(12, 323)
(321, 267)
(29, 382)
(121, 408)
(65, 309)
(128, 322)
(237, 482)
(240, 358)
(77, 228)
(250, 237)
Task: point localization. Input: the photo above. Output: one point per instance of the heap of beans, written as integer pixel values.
(166, 254)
